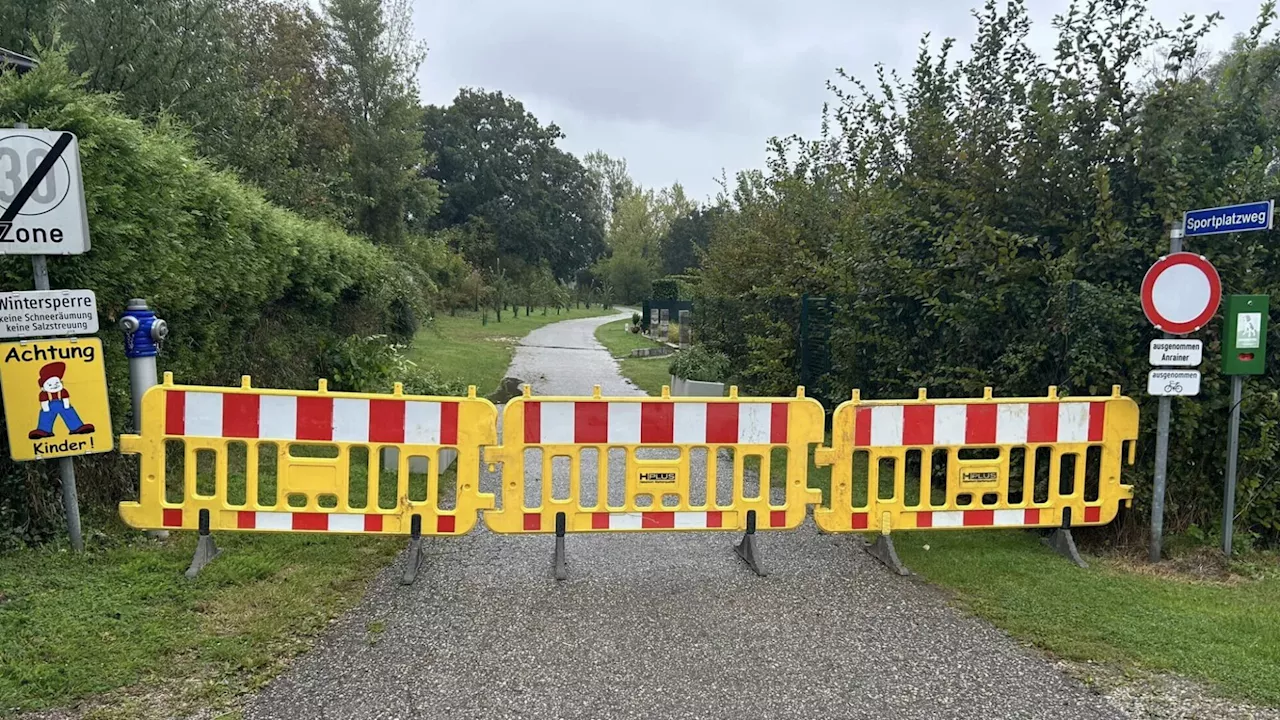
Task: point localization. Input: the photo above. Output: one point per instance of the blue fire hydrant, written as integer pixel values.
(143, 333)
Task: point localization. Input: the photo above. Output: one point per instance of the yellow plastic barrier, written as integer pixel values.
(638, 464)
(982, 463)
(307, 461)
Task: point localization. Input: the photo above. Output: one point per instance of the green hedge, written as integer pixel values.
(247, 288)
(672, 287)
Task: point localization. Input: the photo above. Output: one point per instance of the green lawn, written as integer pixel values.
(121, 619)
(462, 347)
(648, 374)
(120, 629)
(1224, 630)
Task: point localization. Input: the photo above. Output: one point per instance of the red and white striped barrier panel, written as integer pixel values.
(631, 423)
(309, 417)
(346, 523)
(938, 519)
(661, 520)
(733, 443)
(979, 424)
(186, 426)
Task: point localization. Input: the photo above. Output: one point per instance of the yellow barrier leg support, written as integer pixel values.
(746, 549)
(206, 550)
(558, 564)
(882, 549)
(414, 562)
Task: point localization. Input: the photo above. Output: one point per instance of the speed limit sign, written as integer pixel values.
(42, 208)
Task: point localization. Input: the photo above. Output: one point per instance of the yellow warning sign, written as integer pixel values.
(55, 398)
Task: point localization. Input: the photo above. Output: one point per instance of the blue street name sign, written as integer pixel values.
(1234, 218)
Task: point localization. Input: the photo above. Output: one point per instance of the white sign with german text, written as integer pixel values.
(1177, 353)
(48, 313)
(1173, 382)
(42, 210)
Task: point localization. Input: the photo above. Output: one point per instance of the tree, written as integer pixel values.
(249, 78)
(634, 245)
(160, 56)
(988, 221)
(289, 135)
(495, 162)
(27, 25)
(672, 203)
(613, 182)
(686, 239)
(376, 62)
(627, 275)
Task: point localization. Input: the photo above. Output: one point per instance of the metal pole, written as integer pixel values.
(1162, 437)
(1233, 447)
(71, 501)
(1157, 493)
(40, 270)
(804, 340)
(66, 468)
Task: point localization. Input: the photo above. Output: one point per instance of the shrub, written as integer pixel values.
(247, 287)
(374, 364)
(665, 289)
(700, 363)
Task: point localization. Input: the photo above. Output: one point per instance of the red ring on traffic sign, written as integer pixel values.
(1159, 268)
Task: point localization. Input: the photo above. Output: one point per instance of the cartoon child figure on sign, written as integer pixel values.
(55, 402)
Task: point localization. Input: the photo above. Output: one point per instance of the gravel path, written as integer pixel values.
(663, 625)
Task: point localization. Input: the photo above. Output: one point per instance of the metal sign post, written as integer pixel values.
(66, 465)
(1243, 344)
(42, 212)
(1244, 351)
(1162, 438)
(1180, 293)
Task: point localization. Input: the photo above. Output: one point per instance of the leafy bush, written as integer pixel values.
(635, 318)
(700, 363)
(374, 364)
(247, 288)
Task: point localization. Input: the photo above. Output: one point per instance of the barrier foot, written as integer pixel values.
(206, 550)
(1061, 542)
(558, 565)
(414, 561)
(747, 548)
(882, 549)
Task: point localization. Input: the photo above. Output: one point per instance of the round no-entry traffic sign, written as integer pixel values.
(1180, 293)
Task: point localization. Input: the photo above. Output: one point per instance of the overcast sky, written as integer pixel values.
(683, 89)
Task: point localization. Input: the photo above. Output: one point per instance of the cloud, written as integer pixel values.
(684, 88)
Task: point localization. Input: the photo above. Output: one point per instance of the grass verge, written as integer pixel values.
(648, 374)
(119, 632)
(1223, 629)
(121, 615)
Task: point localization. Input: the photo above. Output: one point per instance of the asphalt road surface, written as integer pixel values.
(662, 625)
